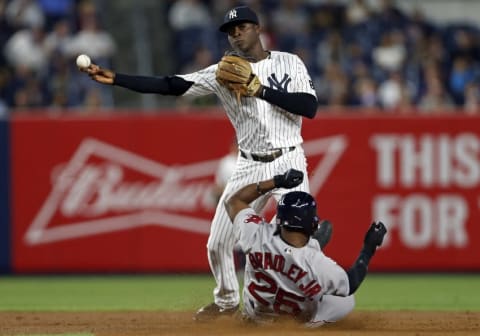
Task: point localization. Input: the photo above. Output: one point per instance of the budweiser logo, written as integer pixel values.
(98, 189)
(104, 188)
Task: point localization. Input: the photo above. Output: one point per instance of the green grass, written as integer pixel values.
(183, 292)
(420, 292)
(70, 293)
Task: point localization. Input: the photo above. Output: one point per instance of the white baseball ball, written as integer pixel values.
(83, 61)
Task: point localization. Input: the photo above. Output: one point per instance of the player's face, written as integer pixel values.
(243, 36)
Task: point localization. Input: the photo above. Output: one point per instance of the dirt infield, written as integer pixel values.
(181, 323)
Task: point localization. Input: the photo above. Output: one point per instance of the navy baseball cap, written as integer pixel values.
(238, 15)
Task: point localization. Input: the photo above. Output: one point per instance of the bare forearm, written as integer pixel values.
(254, 190)
(243, 197)
(246, 195)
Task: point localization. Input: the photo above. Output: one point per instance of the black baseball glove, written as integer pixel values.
(290, 179)
(374, 235)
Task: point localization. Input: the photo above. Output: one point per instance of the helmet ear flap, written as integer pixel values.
(315, 224)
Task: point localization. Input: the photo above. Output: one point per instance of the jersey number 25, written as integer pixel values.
(283, 299)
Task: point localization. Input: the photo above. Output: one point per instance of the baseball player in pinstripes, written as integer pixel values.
(286, 272)
(266, 112)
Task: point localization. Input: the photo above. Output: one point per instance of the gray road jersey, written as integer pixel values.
(259, 125)
(281, 278)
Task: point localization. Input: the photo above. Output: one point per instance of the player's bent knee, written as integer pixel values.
(332, 309)
(218, 247)
(350, 303)
(345, 307)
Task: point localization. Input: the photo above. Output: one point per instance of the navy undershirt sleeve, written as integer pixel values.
(358, 271)
(168, 85)
(299, 103)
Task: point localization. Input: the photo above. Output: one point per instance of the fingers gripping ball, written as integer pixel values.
(83, 61)
(235, 73)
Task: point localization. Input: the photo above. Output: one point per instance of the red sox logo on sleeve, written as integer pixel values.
(104, 189)
(253, 219)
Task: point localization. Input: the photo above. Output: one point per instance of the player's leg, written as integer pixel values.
(331, 309)
(220, 249)
(220, 257)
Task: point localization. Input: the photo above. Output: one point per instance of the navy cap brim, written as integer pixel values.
(224, 27)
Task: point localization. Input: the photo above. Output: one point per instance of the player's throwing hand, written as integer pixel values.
(98, 74)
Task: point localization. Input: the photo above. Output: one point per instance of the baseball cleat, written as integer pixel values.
(212, 311)
(323, 233)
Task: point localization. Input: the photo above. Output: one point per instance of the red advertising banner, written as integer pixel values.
(134, 193)
(419, 175)
(114, 194)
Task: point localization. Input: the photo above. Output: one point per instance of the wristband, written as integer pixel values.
(261, 93)
(277, 181)
(259, 191)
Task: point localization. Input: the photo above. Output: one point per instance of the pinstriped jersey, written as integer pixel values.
(280, 278)
(259, 125)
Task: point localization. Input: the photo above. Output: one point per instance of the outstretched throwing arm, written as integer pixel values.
(165, 85)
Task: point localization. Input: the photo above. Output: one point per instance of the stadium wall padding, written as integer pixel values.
(133, 193)
(4, 197)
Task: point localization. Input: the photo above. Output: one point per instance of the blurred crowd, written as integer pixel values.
(360, 53)
(367, 54)
(40, 40)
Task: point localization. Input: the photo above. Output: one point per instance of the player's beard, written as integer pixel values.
(239, 53)
(243, 45)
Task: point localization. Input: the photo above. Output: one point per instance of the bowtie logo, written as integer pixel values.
(104, 188)
(232, 14)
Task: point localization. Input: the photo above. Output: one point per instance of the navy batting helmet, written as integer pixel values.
(297, 211)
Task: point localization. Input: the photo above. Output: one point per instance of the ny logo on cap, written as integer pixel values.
(232, 14)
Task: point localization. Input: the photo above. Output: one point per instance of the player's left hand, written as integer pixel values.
(290, 179)
(235, 73)
(375, 234)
